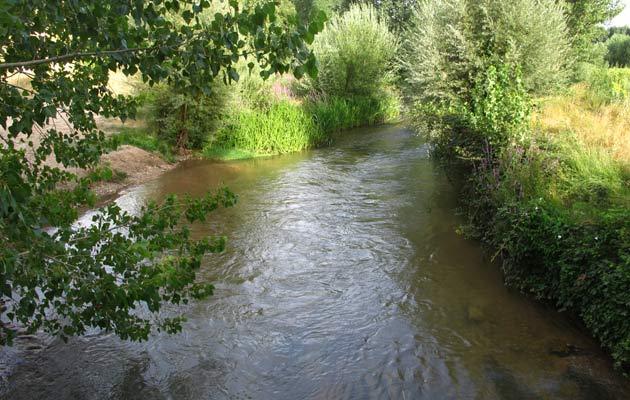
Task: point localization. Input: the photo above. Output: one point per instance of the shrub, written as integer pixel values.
(453, 41)
(554, 206)
(184, 121)
(500, 106)
(561, 223)
(354, 52)
(618, 50)
(608, 85)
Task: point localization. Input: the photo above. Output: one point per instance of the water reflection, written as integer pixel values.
(343, 279)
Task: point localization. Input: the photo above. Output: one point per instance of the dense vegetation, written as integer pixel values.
(618, 48)
(257, 116)
(544, 168)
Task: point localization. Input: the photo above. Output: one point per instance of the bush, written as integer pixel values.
(618, 54)
(560, 218)
(608, 85)
(184, 121)
(453, 41)
(354, 52)
(555, 207)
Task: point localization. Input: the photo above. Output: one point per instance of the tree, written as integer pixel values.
(613, 30)
(397, 12)
(355, 51)
(584, 20)
(453, 42)
(618, 54)
(309, 9)
(116, 273)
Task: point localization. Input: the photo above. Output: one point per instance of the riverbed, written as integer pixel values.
(344, 278)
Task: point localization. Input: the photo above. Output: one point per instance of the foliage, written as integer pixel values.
(500, 106)
(333, 114)
(397, 12)
(287, 126)
(608, 85)
(283, 128)
(584, 20)
(354, 52)
(617, 30)
(65, 278)
(618, 54)
(307, 9)
(453, 41)
(558, 214)
(185, 121)
(553, 204)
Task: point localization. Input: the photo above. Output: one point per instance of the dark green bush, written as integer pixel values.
(582, 266)
(618, 54)
(184, 121)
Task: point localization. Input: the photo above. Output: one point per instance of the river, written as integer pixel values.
(344, 278)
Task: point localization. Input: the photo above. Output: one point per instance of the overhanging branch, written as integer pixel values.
(70, 56)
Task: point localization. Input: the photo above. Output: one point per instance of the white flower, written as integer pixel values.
(559, 236)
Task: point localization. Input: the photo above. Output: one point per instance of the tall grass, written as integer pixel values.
(605, 128)
(333, 114)
(285, 127)
(288, 126)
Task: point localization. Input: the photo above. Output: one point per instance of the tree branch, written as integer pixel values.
(70, 56)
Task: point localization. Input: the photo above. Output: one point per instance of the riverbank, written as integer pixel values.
(285, 127)
(553, 204)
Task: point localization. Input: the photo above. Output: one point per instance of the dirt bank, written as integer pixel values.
(133, 166)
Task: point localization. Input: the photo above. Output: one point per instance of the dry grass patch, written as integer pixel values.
(605, 128)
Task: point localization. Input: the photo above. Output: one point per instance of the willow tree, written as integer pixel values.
(116, 273)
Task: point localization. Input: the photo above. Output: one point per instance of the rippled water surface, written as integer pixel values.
(344, 279)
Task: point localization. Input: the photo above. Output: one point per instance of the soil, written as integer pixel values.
(136, 165)
(132, 165)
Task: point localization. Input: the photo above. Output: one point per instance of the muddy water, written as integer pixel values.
(344, 279)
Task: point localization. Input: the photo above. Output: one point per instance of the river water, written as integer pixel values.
(343, 279)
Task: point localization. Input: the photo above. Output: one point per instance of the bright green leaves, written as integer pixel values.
(118, 271)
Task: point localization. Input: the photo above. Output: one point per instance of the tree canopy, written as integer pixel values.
(117, 272)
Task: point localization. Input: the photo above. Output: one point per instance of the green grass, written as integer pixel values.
(139, 137)
(287, 127)
(284, 128)
(333, 114)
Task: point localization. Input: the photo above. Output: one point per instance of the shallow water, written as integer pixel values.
(344, 279)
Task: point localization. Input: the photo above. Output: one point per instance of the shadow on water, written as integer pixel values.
(343, 279)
